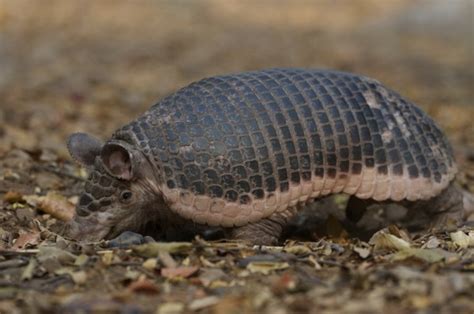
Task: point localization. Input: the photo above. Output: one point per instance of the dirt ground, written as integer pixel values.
(92, 66)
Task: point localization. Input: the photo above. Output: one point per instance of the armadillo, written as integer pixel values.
(245, 151)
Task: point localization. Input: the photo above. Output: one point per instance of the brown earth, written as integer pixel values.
(92, 66)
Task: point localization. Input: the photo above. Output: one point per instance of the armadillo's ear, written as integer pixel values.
(118, 160)
(84, 148)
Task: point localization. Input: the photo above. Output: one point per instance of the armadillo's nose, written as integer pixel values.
(84, 229)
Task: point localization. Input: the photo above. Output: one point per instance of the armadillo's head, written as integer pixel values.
(120, 194)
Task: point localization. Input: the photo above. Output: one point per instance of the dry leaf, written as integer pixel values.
(150, 264)
(152, 249)
(382, 240)
(166, 259)
(420, 302)
(170, 308)
(426, 255)
(54, 204)
(399, 233)
(208, 276)
(81, 260)
(12, 197)
(327, 250)
(79, 277)
(203, 303)
(266, 267)
(27, 273)
(143, 285)
(207, 263)
(461, 239)
(363, 252)
(297, 249)
(132, 274)
(26, 239)
(231, 304)
(432, 243)
(182, 272)
(286, 282)
(312, 260)
(108, 257)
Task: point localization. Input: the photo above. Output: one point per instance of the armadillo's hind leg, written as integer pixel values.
(443, 210)
(266, 231)
(356, 208)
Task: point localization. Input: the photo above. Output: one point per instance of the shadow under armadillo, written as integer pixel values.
(357, 218)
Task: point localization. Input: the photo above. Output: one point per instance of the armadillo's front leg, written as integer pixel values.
(446, 207)
(265, 231)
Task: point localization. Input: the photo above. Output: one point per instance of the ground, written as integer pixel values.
(94, 65)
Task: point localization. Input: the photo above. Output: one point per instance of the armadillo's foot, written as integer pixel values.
(356, 208)
(444, 211)
(263, 232)
(366, 216)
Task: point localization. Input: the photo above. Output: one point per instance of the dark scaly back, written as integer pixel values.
(243, 136)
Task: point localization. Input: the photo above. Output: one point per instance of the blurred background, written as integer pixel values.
(92, 65)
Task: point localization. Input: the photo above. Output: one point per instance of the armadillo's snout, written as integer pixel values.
(92, 222)
(85, 227)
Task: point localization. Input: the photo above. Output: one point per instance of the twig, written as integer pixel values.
(18, 252)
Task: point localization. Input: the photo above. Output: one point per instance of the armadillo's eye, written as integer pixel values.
(125, 196)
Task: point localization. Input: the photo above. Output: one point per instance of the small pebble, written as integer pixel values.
(126, 239)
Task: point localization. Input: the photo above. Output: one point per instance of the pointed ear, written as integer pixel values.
(118, 160)
(84, 148)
